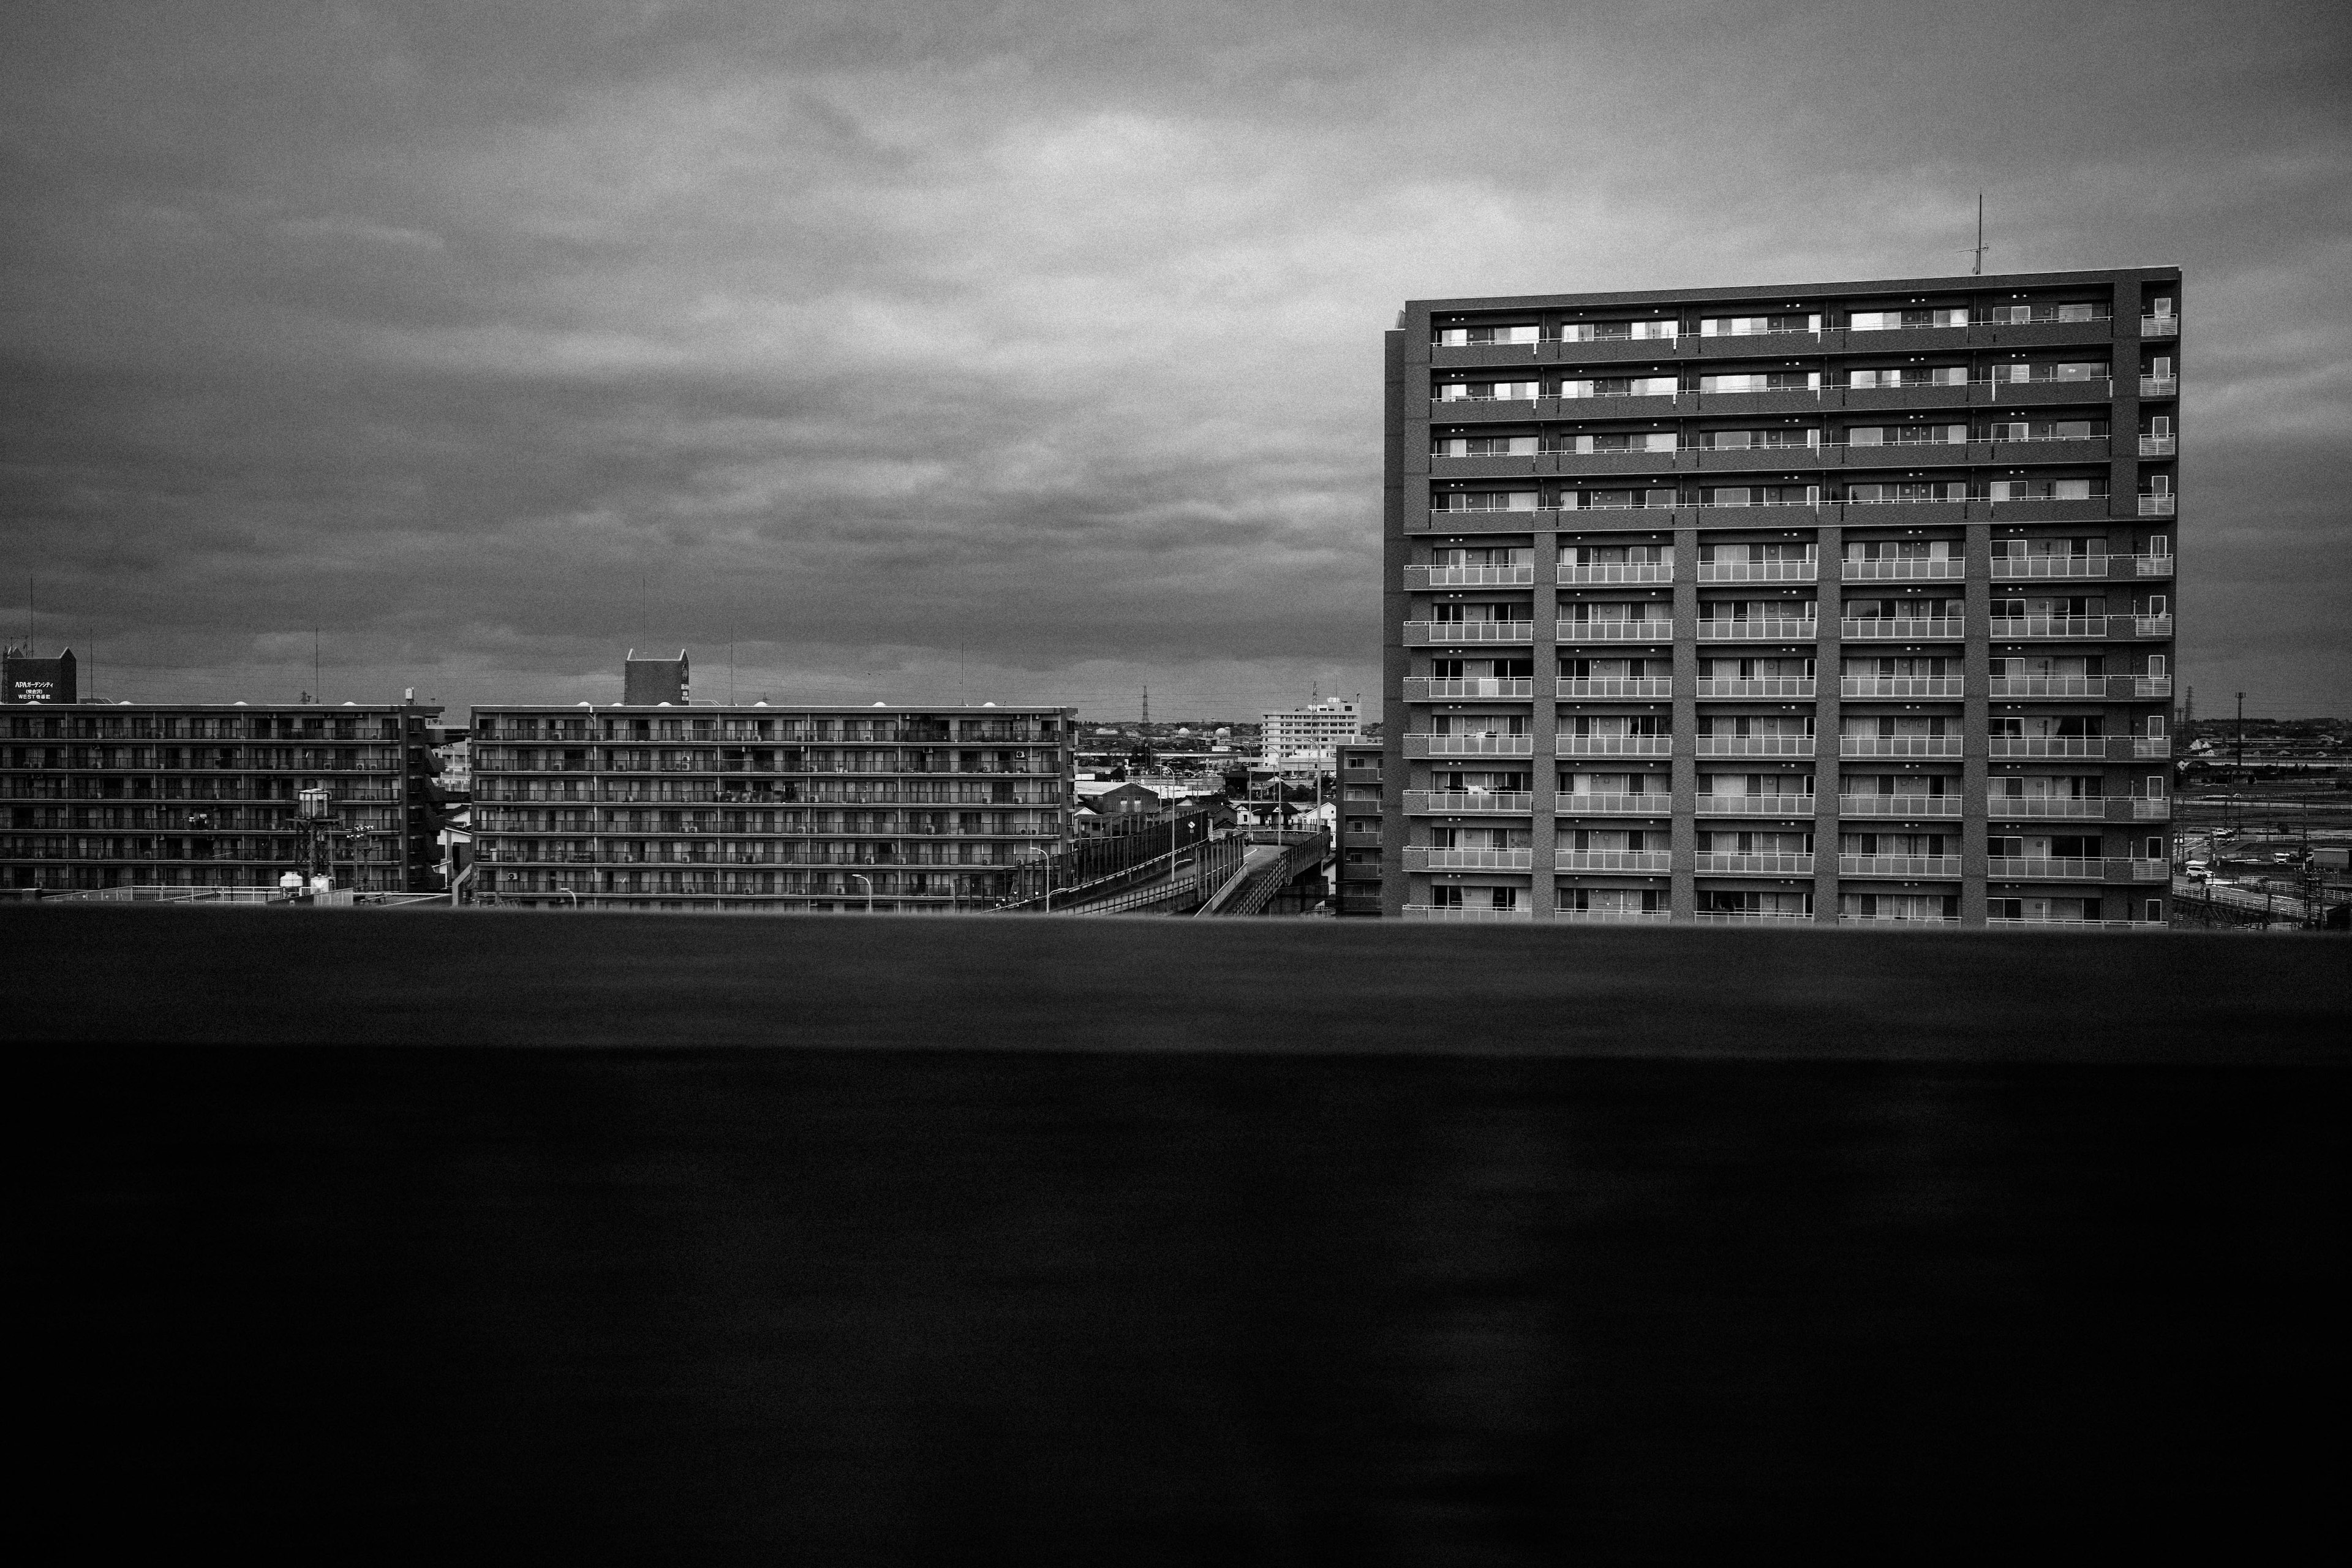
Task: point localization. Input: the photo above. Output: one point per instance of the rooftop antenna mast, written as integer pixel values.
(1978, 270)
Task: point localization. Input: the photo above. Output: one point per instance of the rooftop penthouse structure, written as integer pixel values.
(1839, 603)
(757, 808)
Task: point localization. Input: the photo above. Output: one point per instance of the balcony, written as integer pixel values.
(1900, 807)
(1719, 863)
(1780, 806)
(1660, 804)
(2143, 870)
(1902, 686)
(1760, 686)
(2151, 685)
(2151, 625)
(1469, 576)
(1429, 857)
(1461, 913)
(1898, 920)
(1599, 685)
(1899, 745)
(2005, 924)
(2046, 746)
(2075, 808)
(1758, 570)
(1759, 630)
(1942, 867)
(2159, 386)
(1468, 802)
(2155, 505)
(1447, 634)
(1755, 745)
(2151, 747)
(2007, 568)
(1661, 629)
(2021, 628)
(1713, 916)
(2045, 868)
(2151, 565)
(2144, 809)
(1903, 571)
(1607, 571)
(2157, 445)
(2159, 326)
(1614, 746)
(1469, 746)
(1441, 687)
(1645, 860)
(1903, 630)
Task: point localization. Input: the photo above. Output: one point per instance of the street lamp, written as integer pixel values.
(861, 877)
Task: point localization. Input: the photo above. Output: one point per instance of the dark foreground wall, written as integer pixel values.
(1142, 1242)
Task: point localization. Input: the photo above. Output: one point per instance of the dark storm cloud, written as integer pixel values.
(1038, 339)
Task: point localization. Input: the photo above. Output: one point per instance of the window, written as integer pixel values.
(1892, 320)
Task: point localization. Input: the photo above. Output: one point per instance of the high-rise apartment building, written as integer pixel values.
(755, 807)
(176, 795)
(1840, 603)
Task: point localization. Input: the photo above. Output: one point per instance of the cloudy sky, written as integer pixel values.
(1026, 350)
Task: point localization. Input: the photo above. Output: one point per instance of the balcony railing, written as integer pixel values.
(2144, 809)
(2006, 922)
(1420, 634)
(1758, 570)
(1759, 630)
(1712, 916)
(1445, 802)
(1432, 857)
(2151, 685)
(2083, 808)
(2152, 566)
(1610, 917)
(1469, 576)
(2143, 870)
(1755, 745)
(1469, 745)
(1660, 629)
(2045, 868)
(1902, 807)
(2157, 445)
(2152, 626)
(2151, 746)
(2160, 386)
(1898, 920)
(1606, 572)
(1755, 805)
(1438, 688)
(1614, 745)
(2046, 746)
(2159, 326)
(1904, 570)
(1757, 685)
(1902, 686)
(1937, 865)
(2049, 686)
(1899, 745)
(1616, 686)
(1462, 912)
(1891, 629)
(1613, 860)
(1723, 863)
(2016, 628)
(2155, 506)
(1660, 804)
(2011, 567)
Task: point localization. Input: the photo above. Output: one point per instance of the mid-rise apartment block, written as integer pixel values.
(1361, 827)
(1302, 740)
(760, 808)
(173, 796)
(1839, 603)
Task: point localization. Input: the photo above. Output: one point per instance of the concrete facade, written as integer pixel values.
(183, 796)
(759, 808)
(1836, 603)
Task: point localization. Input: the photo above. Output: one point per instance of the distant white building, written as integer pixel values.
(1305, 738)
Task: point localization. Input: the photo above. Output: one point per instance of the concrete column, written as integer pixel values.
(1976, 721)
(1683, 896)
(1828, 653)
(1543, 771)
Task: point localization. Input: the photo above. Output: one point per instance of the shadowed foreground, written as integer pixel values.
(1128, 1242)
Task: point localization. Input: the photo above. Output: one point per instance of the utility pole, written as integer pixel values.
(2241, 732)
(1976, 270)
